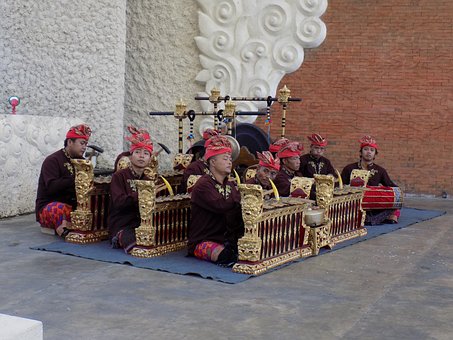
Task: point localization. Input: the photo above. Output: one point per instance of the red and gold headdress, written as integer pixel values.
(139, 139)
(268, 161)
(208, 133)
(368, 141)
(317, 139)
(82, 131)
(278, 144)
(217, 145)
(290, 150)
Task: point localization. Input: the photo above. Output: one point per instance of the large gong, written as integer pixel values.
(252, 137)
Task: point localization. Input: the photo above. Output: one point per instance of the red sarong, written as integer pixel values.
(53, 214)
(208, 250)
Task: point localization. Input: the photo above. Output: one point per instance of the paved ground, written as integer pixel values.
(396, 286)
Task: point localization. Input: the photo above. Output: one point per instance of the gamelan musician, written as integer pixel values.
(124, 214)
(199, 166)
(314, 162)
(268, 168)
(216, 223)
(289, 163)
(56, 195)
(378, 177)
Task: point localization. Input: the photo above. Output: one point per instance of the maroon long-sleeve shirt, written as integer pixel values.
(56, 182)
(310, 166)
(216, 212)
(123, 211)
(378, 175)
(198, 167)
(283, 181)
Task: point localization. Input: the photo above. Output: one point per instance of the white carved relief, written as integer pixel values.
(24, 143)
(247, 46)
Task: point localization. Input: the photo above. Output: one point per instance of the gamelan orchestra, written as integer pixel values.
(249, 207)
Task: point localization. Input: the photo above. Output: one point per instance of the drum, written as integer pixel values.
(381, 197)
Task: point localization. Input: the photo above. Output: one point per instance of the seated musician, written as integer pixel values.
(289, 163)
(122, 161)
(216, 223)
(56, 196)
(268, 167)
(199, 166)
(124, 213)
(314, 162)
(277, 145)
(378, 177)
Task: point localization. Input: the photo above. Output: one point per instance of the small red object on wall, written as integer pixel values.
(14, 101)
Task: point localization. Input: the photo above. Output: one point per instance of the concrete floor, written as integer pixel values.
(396, 286)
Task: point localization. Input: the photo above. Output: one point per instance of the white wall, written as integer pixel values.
(24, 143)
(161, 66)
(64, 59)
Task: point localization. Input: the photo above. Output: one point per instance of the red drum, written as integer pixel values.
(382, 198)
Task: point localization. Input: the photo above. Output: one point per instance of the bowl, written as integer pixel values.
(314, 217)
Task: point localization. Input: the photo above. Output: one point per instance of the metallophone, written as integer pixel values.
(166, 231)
(275, 230)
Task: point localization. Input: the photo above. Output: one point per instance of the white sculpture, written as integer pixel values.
(247, 46)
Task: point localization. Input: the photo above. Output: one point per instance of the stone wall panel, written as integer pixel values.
(66, 59)
(161, 66)
(24, 144)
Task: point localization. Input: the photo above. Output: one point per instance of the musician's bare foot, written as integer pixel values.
(392, 219)
(62, 227)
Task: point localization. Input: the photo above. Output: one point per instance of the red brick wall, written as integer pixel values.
(385, 69)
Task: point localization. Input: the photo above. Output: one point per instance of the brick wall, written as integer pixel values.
(385, 69)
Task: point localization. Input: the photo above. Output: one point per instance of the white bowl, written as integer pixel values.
(314, 217)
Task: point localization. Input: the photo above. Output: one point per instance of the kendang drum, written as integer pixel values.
(381, 197)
